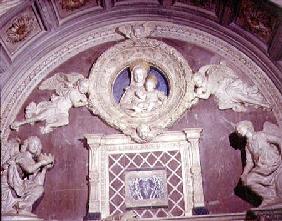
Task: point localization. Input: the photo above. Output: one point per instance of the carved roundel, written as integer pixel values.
(140, 87)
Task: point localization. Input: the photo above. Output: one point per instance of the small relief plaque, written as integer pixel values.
(146, 188)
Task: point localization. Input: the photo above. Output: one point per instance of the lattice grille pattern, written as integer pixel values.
(171, 160)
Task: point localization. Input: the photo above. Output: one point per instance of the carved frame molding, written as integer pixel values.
(156, 53)
(20, 86)
(101, 146)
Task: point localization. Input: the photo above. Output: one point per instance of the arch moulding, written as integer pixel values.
(21, 85)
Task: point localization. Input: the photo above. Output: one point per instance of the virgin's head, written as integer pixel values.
(140, 70)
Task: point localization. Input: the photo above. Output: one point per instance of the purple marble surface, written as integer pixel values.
(66, 187)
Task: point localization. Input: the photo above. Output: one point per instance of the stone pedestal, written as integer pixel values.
(214, 217)
(12, 217)
(113, 148)
(251, 215)
(273, 213)
(92, 216)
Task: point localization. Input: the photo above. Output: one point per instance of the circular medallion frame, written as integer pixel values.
(141, 127)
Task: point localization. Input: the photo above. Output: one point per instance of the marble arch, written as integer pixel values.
(23, 81)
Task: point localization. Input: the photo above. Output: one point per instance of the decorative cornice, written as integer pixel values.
(120, 139)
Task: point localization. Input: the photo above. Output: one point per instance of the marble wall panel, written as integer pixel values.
(66, 187)
(221, 163)
(170, 161)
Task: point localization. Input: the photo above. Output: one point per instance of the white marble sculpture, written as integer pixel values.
(229, 90)
(23, 171)
(146, 133)
(141, 96)
(137, 31)
(263, 169)
(71, 90)
(101, 147)
(143, 112)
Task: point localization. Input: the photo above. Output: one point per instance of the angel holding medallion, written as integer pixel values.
(71, 90)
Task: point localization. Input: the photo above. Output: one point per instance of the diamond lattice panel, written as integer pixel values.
(171, 160)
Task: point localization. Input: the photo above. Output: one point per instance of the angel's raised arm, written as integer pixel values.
(273, 133)
(275, 140)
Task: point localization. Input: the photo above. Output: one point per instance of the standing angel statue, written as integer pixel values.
(263, 170)
(23, 171)
(71, 90)
(229, 90)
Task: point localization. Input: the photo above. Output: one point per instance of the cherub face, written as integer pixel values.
(138, 31)
(198, 80)
(143, 131)
(83, 86)
(35, 147)
(150, 85)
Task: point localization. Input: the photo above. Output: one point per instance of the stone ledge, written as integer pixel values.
(7, 217)
(251, 215)
(214, 217)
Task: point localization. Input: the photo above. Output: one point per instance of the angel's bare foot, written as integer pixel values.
(239, 108)
(25, 213)
(15, 125)
(11, 211)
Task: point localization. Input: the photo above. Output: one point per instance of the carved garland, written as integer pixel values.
(158, 54)
(14, 95)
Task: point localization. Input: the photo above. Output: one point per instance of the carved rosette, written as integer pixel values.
(72, 4)
(19, 29)
(157, 54)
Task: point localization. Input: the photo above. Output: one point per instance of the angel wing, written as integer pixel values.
(217, 72)
(73, 77)
(61, 82)
(137, 31)
(148, 28)
(125, 31)
(8, 150)
(272, 129)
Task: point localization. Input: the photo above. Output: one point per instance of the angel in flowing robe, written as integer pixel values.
(23, 171)
(229, 90)
(263, 170)
(71, 90)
